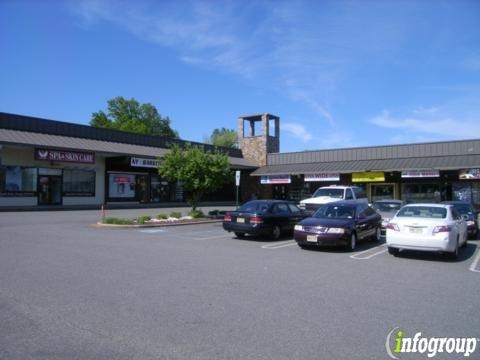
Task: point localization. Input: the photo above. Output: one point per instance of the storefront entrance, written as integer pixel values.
(49, 190)
(143, 193)
(382, 191)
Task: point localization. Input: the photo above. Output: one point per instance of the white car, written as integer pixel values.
(427, 227)
(328, 194)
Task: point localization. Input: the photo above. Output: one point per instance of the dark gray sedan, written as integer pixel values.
(263, 217)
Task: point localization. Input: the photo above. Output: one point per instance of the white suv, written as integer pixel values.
(328, 194)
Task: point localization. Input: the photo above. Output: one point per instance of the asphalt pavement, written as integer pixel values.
(70, 290)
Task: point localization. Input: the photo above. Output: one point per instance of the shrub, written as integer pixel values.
(143, 219)
(118, 221)
(176, 214)
(162, 216)
(196, 214)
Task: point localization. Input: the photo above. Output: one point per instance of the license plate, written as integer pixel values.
(240, 220)
(416, 230)
(312, 238)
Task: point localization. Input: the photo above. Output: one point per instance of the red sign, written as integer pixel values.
(65, 156)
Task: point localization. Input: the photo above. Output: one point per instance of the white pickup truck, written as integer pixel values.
(328, 194)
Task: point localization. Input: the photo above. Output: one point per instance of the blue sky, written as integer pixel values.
(338, 73)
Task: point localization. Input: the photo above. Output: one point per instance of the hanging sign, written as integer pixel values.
(322, 177)
(64, 156)
(142, 162)
(275, 179)
(420, 173)
(369, 176)
(465, 174)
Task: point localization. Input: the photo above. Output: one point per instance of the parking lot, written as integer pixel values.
(69, 290)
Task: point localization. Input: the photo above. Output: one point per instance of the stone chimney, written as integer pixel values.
(259, 135)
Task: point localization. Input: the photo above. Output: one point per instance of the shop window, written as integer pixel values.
(78, 182)
(17, 179)
(121, 186)
(422, 193)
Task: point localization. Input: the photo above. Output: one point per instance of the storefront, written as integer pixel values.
(131, 178)
(45, 176)
(51, 163)
(429, 172)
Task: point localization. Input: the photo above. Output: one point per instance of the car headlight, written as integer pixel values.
(298, 227)
(469, 223)
(336, 230)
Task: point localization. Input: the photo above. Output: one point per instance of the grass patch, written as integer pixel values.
(118, 221)
(162, 216)
(143, 219)
(196, 214)
(176, 214)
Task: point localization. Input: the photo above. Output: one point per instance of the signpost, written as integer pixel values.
(237, 183)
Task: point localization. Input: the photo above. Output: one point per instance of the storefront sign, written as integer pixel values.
(420, 173)
(466, 174)
(322, 177)
(65, 156)
(142, 162)
(369, 176)
(275, 179)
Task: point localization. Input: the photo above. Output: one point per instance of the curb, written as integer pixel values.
(115, 226)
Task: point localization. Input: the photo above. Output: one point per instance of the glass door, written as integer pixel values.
(382, 191)
(143, 193)
(49, 190)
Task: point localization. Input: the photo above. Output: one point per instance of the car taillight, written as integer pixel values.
(227, 217)
(443, 228)
(392, 226)
(256, 220)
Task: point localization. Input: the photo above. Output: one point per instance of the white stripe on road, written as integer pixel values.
(153, 231)
(279, 244)
(359, 256)
(223, 236)
(475, 262)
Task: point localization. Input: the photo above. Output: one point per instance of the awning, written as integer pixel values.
(16, 137)
(414, 163)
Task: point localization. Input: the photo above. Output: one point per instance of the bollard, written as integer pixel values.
(103, 213)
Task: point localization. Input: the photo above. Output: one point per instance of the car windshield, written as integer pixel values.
(387, 206)
(332, 211)
(254, 207)
(334, 193)
(423, 212)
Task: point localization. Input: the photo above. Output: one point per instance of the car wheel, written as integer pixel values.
(378, 234)
(276, 232)
(393, 251)
(240, 235)
(353, 242)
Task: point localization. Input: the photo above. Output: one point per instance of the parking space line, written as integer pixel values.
(279, 244)
(475, 262)
(359, 256)
(223, 236)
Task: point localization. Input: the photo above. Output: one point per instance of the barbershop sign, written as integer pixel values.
(64, 156)
(141, 162)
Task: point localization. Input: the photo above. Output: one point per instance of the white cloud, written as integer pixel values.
(297, 131)
(429, 128)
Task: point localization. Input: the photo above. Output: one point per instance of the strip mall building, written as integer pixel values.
(46, 162)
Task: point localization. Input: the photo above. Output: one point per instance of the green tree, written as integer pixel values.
(199, 172)
(224, 137)
(131, 116)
